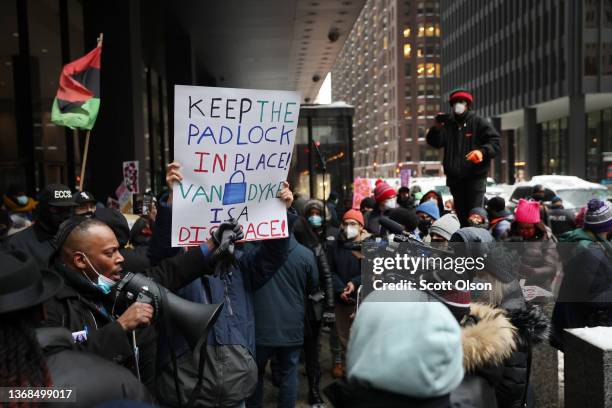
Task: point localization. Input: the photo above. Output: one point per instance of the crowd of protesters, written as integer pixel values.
(67, 321)
(64, 253)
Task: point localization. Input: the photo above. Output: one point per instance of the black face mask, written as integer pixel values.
(52, 220)
(424, 226)
(556, 206)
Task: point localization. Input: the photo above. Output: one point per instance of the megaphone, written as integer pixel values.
(193, 320)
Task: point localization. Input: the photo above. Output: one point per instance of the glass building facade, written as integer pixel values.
(138, 74)
(543, 70)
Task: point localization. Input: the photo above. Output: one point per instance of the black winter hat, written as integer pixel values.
(117, 222)
(57, 195)
(406, 217)
(367, 202)
(22, 285)
(496, 204)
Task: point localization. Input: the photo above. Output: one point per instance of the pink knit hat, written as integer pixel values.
(527, 212)
(383, 191)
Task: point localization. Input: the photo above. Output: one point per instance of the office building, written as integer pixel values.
(542, 71)
(389, 70)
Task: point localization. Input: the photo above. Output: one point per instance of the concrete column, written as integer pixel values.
(588, 362)
(577, 135)
(530, 128)
(495, 170)
(119, 131)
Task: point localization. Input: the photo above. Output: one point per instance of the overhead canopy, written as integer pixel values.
(269, 44)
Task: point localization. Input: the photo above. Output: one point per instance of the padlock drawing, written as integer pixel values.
(234, 193)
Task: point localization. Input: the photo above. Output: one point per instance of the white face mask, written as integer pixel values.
(352, 231)
(460, 108)
(390, 203)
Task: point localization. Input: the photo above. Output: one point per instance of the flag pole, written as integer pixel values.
(84, 164)
(86, 150)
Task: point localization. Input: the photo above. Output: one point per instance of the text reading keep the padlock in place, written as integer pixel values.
(235, 147)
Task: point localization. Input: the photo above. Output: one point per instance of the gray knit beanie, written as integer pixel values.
(445, 226)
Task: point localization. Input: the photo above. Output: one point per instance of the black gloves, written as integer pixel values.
(225, 228)
(224, 238)
(441, 118)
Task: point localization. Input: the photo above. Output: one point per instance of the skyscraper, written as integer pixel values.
(389, 69)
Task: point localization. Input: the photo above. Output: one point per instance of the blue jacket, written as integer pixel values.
(255, 266)
(280, 304)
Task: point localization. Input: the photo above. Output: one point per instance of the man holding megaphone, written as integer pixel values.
(87, 258)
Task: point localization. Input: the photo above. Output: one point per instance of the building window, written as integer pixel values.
(408, 69)
(593, 141)
(607, 14)
(420, 70)
(385, 42)
(606, 58)
(407, 49)
(421, 31)
(591, 13)
(429, 153)
(590, 59)
(406, 32)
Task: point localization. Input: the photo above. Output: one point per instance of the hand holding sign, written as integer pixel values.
(286, 195)
(173, 175)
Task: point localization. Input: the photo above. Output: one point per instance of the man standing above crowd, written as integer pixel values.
(469, 142)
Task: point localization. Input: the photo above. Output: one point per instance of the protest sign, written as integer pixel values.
(130, 176)
(405, 177)
(124, 198)
(234, 147)
(361, 190)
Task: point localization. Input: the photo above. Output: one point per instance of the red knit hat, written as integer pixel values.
(461, 94)
(527, 211)
(354, 215)
(383, 191)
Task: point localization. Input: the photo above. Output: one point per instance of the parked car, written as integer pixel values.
(574, 191)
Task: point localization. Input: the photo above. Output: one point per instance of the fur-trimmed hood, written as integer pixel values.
(487, 337)
(491, 335)
(532, 325)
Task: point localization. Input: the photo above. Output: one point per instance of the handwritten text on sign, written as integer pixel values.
(235, 147)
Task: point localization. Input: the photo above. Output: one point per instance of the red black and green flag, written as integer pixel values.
(77, 100)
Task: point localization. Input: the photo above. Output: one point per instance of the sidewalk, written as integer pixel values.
(326, 363)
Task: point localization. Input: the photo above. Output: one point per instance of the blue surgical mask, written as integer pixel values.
(22, 200)
(315, 220)
(104, 284)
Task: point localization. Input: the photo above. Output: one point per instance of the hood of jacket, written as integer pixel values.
(488, 337)
(532, 324)
(578, 235)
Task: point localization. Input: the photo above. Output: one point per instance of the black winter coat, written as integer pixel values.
(92, 379)
(344, 259)
(81, 306)
(496, 347)
(458, 138)
(342, 394)
(585, 295)
(561, 220)
(34, 241)
(317, 244)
